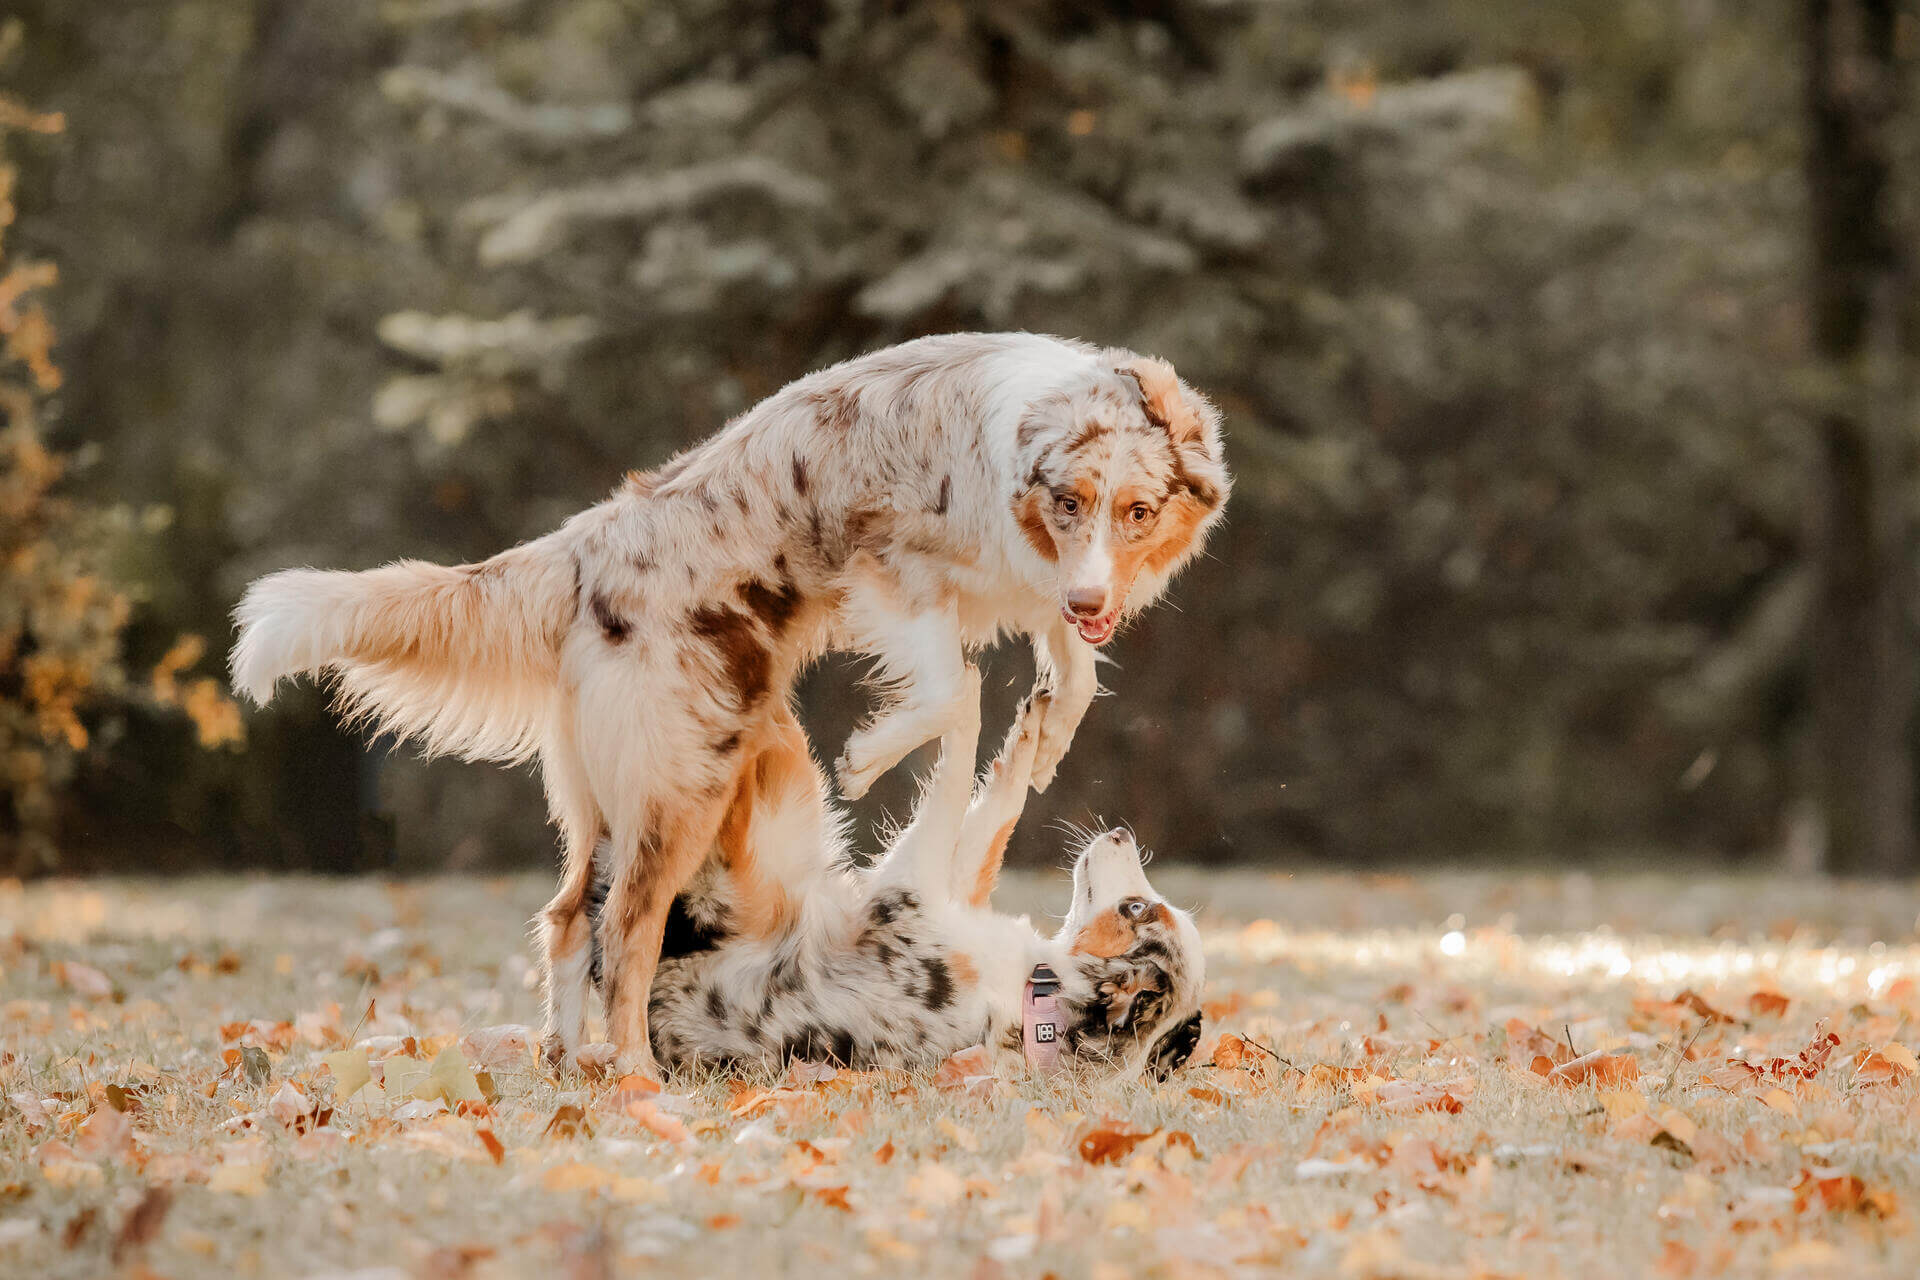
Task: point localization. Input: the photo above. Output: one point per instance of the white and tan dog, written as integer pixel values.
(806, 957)
(907, 504)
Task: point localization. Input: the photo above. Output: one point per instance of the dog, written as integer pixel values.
(907, 504)
(782, 950)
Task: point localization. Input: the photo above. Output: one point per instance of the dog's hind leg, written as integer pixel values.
(566, 948)
(663, 850)
(919, 664)
(997, 804)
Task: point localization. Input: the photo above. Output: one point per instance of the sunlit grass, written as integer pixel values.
(1349, 991)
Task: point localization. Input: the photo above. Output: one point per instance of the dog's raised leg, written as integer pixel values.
(921, 856)
(917, 656)
(996, 806)
(1066, 663)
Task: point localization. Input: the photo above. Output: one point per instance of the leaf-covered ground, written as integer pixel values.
(1455, 1075)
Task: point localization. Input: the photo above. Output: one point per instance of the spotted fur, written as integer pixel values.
(905, 505)
(898, 966)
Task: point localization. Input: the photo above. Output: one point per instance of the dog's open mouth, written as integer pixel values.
(1094, 631)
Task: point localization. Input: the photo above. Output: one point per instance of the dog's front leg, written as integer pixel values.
(921, 856)
(918, 660)
(1066, 662)
(996, 806)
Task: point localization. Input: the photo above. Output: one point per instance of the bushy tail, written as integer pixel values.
(466, 659)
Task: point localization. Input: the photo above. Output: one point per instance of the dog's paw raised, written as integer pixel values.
(854, 781)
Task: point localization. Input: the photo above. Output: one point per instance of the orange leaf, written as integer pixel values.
(1230, 1052)
(1597, 1068)
(835, 1196)
(1109, 1145)
(491, 1143)
(1767, 1004)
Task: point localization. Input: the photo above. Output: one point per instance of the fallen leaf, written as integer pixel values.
(453, 1078)
(576, 1176)
(504, 1048)
(1767, 1004)
(349, 1070)
(82, 979)
(106, 1134)
(568, 1121)
(142, 1222)
(1107, 1144)
(1230, 1052)
(288, 1105)
(969, 1071)
(1599, 1068)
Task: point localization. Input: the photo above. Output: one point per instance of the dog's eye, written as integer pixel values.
(1140, 513)
(1134, 908)
(1068, 504)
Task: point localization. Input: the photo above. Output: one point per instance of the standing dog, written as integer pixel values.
(905, 504)
(779, 949)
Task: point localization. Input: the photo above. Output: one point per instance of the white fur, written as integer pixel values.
(870, 506)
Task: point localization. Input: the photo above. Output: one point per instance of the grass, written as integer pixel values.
(1384, 1117)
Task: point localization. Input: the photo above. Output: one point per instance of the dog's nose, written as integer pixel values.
(1119, 833)
(1087, 602)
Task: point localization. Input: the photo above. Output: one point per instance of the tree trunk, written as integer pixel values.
(1862, 669)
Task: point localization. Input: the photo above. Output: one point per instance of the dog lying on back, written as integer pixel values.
(779, 949)
(907, 504)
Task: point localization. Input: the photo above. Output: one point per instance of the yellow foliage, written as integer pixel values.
(61, 615)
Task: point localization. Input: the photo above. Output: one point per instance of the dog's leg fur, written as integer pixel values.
(1066, 664)
(660, 859)
(921, 856)
(996, 806)
(566, 956)
(918, 651)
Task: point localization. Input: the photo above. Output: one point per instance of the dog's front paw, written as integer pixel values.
(635, 1064)
(553, 1051)
(596, 1060)
(854, 778)
(1055, 736)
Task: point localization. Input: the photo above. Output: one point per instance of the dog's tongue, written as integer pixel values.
(1097, 630)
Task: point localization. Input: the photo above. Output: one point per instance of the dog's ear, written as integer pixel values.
(1173, 1049)
(1167, 405)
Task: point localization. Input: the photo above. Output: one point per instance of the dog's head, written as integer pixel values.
(1124, 478)
(1135, 971)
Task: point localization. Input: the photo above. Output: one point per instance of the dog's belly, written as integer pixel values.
(893, 996)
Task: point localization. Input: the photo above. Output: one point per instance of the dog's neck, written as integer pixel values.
(1027, 947)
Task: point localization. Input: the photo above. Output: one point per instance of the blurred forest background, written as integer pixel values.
(1573, 435)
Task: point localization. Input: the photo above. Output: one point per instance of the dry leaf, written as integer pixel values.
(1767, 1004)
(350, 1072)
(568, 1121)
(503, 1048)
(969, 1071)
(82, 979)
(1230, 1053)
(1600, 1068)
(1109, 1143)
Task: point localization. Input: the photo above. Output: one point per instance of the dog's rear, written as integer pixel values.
(466, 659)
